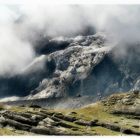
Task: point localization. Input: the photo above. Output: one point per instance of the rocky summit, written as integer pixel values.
(82, 66)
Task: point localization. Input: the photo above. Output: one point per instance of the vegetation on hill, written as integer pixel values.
(116, 115)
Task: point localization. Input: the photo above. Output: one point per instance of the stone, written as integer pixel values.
(20, 119)
(72, 113)
(41, 130)
(17, 125)
(47, 131)
(65, 117)
(63, 124)
(130, 132)
(82, 122)
(135, 126)
(35, 106)
(93, 122)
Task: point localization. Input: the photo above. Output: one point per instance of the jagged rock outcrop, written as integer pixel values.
(87, 66)
(72, 65)
(76, 67)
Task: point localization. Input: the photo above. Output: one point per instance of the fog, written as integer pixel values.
(22, 25)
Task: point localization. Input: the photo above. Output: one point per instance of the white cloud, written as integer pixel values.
(16, 50)
(15, 53)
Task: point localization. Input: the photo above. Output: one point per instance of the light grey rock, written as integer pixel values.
(84, 66)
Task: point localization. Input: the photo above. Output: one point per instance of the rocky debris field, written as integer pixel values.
(82, 66)
(118, 114)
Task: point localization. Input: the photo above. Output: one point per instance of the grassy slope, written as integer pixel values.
(103, 113)
(91, 112)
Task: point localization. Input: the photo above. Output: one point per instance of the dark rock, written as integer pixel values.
(66, 118)
(110, 126)
(47, 112)
(69, 118)
(93, 122)
(55, 119)
(126, 112)
(130, 132)
(38, 113)
(16, 125)
(72, 113)
(26, 115)
(2, 121)
(82, 122)
(63, 124)
(135, 126)
(136, 92)
(48, 122)
(56, 82)
(37, 118)
(133, 117)
(47, 131)
(43, 131)
(20, 119)
(22, 105)
(74, 129)
(118, 128)
(79, 95)
(35, 106)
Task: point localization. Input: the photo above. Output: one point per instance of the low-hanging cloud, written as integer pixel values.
(15, 53)
(22, 25)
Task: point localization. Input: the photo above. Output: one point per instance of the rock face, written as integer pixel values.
(75, 67)
(72, 66)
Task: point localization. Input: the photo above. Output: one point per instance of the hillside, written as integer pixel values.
(118, 114)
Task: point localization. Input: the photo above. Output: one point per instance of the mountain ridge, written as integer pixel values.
(86, 66)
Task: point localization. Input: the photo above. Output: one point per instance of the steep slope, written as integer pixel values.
(76, 67)
(72, 65)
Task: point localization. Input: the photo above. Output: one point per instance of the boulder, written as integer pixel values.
(65, 125)
(16, 125)
(130, 132)
(20, 119)
(64, 117)
(82, 122)
(47, 131)
(41, 130)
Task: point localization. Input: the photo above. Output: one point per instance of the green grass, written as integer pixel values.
(6, 131)
(91, 112)
(103, 114)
